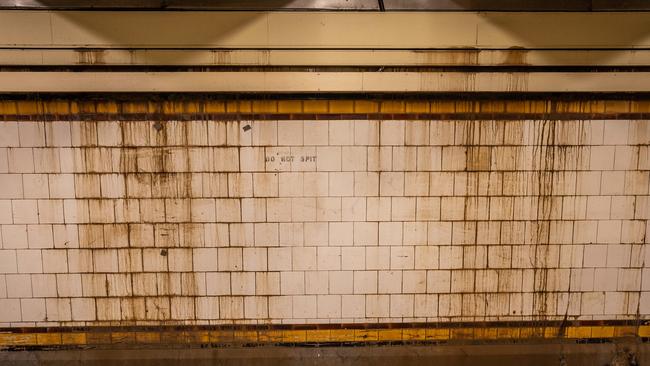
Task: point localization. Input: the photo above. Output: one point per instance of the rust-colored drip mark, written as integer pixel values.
(130, 308)
(573, 161)
(189, 283)
(471, 135)
(156, 306)
(130, 160)
(87, 133)
(515, 57)
(641, 134)
(517, 82)
(544, 135)
(90, 57)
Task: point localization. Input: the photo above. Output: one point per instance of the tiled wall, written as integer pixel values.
(323, 221)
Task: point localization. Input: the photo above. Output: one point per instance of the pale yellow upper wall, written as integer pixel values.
(408, 30)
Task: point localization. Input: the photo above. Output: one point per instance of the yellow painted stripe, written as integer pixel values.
(508, 333)
(414, 335)
(436, 334)
(245, 336)
(73, 107)
(461, 334)
(365, 335)
(578, 332)
(318, 335)
(294, 336)
(147, 337)
(123, 337)
(339, 335)
(73, 338)
(48, 339)
(272, 336)
(389, 334)
(21, 339)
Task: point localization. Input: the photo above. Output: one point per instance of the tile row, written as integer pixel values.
(297, 259)
(322, 132)
(324, 158)
(323, 308)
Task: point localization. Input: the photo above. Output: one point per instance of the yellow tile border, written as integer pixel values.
(462, 333)
(341, 106)
(273, 336)
(245, 336)
(49, 338)
(73, 338)
(578, 332)
(53, 107)
(389, 334)
(123, 337)
(220, 336)
(339, 335)
(437, 334)
(508, 333)
(294, 336)
(413, 335)
(147, 337)
(318, 335)
(19, 339)
(531, 332)
(364, 335)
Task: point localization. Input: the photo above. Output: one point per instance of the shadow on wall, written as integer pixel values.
(541, 33)
(169, 30)
(251, 28)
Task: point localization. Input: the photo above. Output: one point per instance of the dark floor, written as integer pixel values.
(618, 354)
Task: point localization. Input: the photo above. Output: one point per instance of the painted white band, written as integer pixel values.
(298, 82)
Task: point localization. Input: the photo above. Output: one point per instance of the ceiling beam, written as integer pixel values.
(349, 5)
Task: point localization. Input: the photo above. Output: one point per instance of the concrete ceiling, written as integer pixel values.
(353, 5)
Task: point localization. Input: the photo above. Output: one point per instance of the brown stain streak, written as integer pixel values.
(90, 57)
(554, 150)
